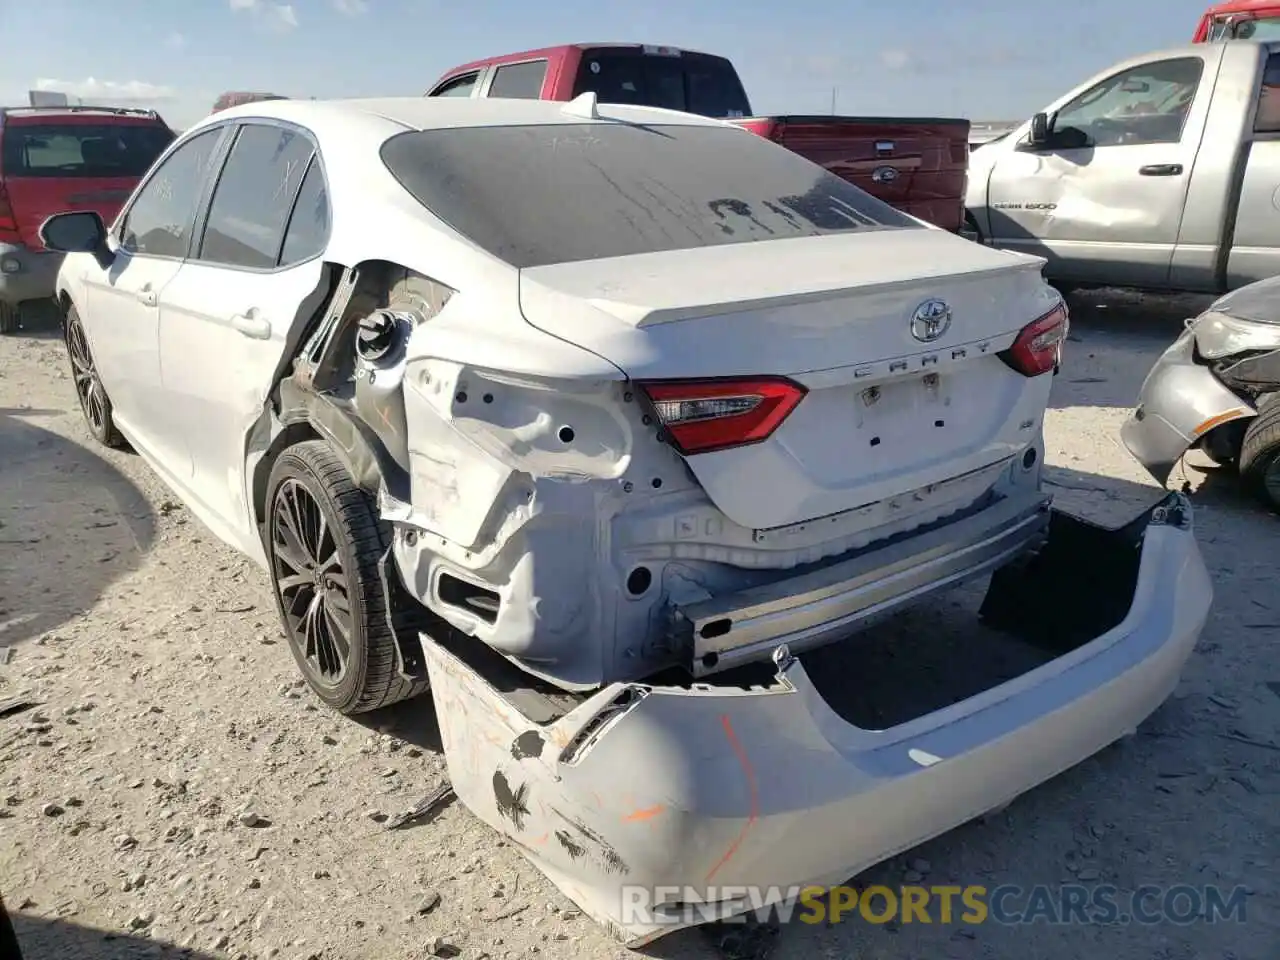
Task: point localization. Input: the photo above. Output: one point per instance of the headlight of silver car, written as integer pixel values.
(1218, 335)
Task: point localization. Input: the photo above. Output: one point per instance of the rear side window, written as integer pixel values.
(62, 150)
(519, 81)
(558, 193)
(1267, 118)
(309, 224)
(254, 197)
(690, 82)
(457, 87)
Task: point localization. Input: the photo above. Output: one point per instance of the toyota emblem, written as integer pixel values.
(930, 320)
(884, 174)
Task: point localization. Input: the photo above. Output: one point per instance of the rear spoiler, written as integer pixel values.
(83, 108)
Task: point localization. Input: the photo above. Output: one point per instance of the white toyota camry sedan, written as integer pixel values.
(614, 427)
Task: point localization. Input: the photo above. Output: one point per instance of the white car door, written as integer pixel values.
(236, 307)
(1103, 199)
(121, 312)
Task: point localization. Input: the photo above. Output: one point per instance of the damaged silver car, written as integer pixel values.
(615, 427)
(1217, 389)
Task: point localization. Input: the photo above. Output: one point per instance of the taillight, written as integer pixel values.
(704, 415)
(8, 225)
(1038, 347)
(765, 127)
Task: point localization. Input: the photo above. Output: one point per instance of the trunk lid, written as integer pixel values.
(886, 415)
(919, 166)
(59, 162)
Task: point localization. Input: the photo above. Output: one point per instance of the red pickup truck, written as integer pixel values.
(1240, 20)
(917, 165)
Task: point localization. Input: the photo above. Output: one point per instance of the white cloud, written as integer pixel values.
(105, 91)
(895, 59)
(274, 16)
(175, 41)
(351, 8)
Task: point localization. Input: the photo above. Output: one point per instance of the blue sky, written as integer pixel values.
(984, 59)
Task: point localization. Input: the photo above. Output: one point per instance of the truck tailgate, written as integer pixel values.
(917, 165)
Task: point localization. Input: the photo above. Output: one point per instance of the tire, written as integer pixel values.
(970, 230)
(94, 402)
(1260, 454)
(10, 318)
(309, 483)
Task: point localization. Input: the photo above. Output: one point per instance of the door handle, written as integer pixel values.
(146, 296)
(1160, 170)
(252, 324)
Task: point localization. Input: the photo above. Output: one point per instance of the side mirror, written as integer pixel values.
(1038, 136)
(80, 232)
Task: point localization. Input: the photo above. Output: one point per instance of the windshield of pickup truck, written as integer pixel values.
(690, 82)
(558, 193)
(1260, 28)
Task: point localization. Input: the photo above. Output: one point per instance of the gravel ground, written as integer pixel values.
(177, 788)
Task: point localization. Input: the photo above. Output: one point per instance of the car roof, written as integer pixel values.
(326, 117)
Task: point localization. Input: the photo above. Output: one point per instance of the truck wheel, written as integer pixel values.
(324, 541)
(10, 319)
(1260, 454)
(970, 229)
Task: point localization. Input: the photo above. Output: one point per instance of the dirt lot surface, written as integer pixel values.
(177, 788)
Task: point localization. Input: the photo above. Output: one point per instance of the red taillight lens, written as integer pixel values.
(763, 127)
(8, 225)
(1038, 347)
(704, 415)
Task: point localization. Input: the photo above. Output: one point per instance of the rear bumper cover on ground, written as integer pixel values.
(706, 787)
(1179, 403)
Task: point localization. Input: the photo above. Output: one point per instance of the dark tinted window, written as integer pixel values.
(254, 196)
(1267, 118)
(557, 193)
(82, 150)
(309, 225)
(519, 81)
(458, 86)
(160, 219)
(694, 83)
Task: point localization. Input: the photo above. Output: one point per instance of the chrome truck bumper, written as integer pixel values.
(703, 788)
(1179, 403)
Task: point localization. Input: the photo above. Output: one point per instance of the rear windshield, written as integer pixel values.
(691, 82)
(559, 193)
(82, 150)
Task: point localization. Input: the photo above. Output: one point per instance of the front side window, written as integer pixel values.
(558, 193)
(159, 221)
(457, 87)
(1146, 104)
(309, 223)
(254, 196)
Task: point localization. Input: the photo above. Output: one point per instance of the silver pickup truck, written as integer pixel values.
(1161, 172)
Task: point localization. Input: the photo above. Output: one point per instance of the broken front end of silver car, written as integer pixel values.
(1207, 389)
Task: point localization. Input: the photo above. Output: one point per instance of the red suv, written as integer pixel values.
(58, 159)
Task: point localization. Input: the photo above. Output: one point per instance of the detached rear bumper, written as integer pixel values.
(703, 788)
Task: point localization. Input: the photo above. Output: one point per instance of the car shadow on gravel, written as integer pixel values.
(48, 938)
(70, 525)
